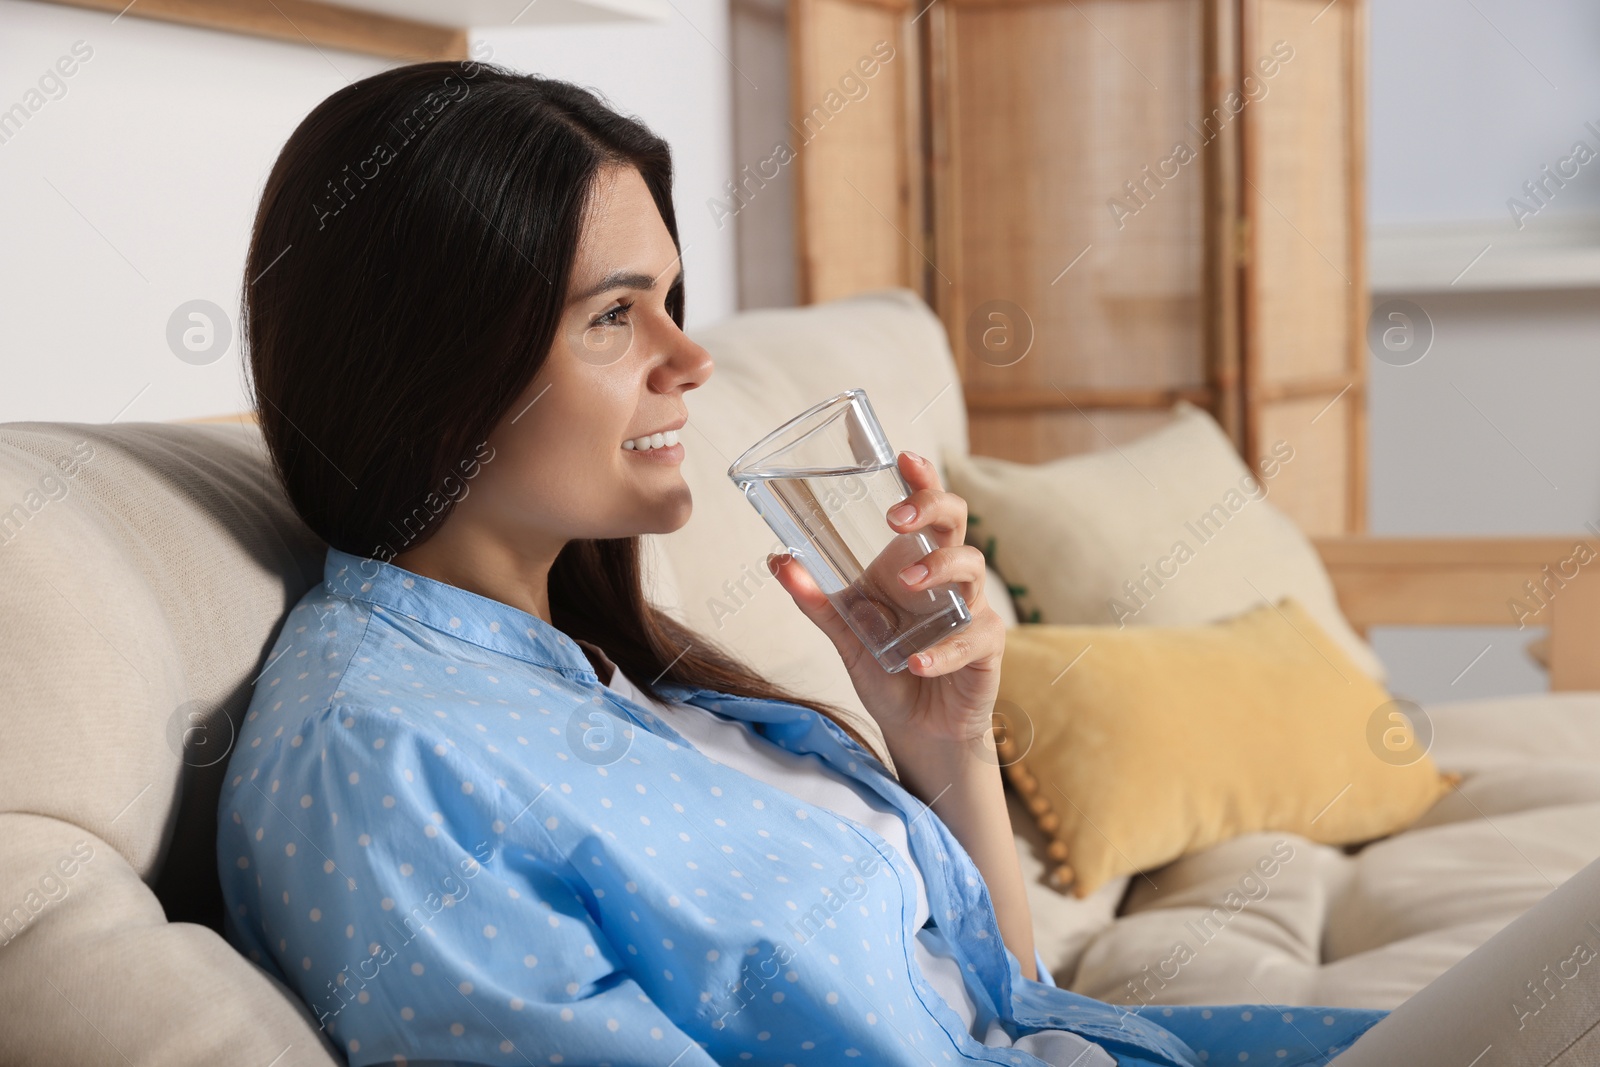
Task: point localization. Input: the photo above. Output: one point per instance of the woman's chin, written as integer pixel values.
(668, 515)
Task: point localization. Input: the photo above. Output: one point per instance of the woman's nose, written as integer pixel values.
(688, 367)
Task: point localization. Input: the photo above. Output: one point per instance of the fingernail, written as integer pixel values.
(923, 660)
(913, 574)
(774, 561)
(915, 458)
(903, 514)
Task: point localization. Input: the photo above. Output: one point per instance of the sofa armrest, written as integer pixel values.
(1499, 581)
(92, 973)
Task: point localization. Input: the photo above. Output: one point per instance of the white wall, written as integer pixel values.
(765, 224)
(1465, 107)
(1495, 430)
(676, 78)
(133, 192)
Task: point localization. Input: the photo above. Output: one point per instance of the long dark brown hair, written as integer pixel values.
(405, 282)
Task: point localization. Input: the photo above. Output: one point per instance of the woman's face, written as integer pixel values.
(618, 372)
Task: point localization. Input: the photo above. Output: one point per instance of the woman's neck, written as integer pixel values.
(463, 557)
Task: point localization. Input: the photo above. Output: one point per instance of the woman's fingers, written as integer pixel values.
(814, 604)
(918, 471)
(985, 638)
(942, 514)
(955, 564)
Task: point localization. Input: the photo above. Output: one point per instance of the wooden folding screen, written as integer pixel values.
(1304, 271)
(1122, 203)
(855, 102)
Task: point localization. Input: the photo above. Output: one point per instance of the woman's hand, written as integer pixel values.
(948, 690)
(933, 712)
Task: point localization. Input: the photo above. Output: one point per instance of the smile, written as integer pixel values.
(657, 446)
(655, 440)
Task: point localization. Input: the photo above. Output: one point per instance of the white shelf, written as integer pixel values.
(1548, 253)
(470, 14)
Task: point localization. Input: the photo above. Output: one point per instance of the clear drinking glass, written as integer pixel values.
(825, 481)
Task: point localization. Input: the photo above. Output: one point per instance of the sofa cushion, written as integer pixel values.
(1171, 529)
(144, 571)
(98, 975)
(1151, 742)
(1369, 929)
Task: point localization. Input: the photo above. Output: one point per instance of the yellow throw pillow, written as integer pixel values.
(1135, 746)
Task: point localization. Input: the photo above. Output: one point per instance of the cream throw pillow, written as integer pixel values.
(1171, 529)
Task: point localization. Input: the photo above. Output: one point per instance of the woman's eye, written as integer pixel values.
(610, 317)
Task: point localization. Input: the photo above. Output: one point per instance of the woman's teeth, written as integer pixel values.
(655, 440)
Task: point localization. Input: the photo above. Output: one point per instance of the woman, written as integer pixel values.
(489, 805)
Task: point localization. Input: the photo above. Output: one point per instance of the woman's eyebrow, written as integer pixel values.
(617, 279)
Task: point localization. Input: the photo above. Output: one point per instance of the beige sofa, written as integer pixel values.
(146, 568)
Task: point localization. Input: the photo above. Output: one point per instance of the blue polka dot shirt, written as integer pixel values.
(456, 845)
